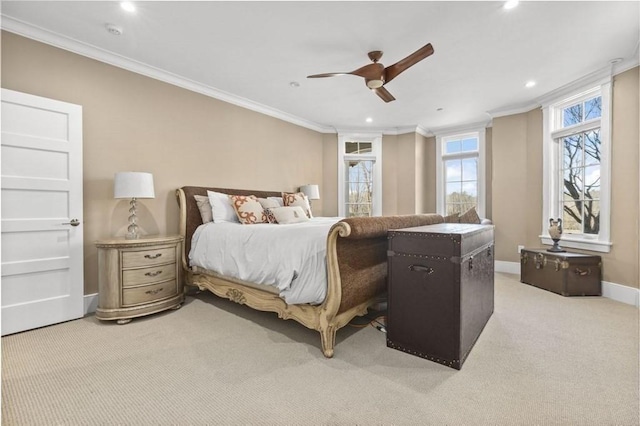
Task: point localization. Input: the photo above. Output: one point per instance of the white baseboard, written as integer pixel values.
(90, 303)
(613, 291)
(621, 293)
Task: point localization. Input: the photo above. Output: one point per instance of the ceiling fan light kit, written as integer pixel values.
(376, 75)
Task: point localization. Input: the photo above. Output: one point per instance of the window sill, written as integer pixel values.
(579, 243)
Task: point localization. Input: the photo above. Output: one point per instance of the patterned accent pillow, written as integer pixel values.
(298, 199)
(452, 218)
(205, 208)
(248, 209)
(271, 218)
(289, 214)
(470, 216)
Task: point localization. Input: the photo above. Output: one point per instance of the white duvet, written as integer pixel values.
(289, 257)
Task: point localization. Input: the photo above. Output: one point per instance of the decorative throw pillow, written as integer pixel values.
(452, 218)
(298, 199)
(221, 206)
(248, 209)
(270, 203)
(289, 214)
(271, 218)
(205, 208)
(470, 216)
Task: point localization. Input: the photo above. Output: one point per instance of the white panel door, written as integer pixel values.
(42, 253)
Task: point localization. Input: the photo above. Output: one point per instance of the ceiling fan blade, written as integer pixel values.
(384, 94)
(392, 71)
(328, 74)
(370, 71)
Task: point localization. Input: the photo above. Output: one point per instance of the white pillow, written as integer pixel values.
(222, 208)
(289, 214)
(270, 203)
(277, 200)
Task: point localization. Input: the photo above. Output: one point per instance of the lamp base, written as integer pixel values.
(132, 236)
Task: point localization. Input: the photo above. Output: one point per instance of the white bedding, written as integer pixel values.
(289, 257)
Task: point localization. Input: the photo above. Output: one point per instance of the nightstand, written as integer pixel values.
(138, 277)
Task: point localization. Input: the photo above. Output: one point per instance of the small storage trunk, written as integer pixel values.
(568, 274)
(440, 290)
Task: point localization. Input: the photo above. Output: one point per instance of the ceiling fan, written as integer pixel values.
(376, 75)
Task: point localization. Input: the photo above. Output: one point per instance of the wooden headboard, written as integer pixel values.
(190, 217)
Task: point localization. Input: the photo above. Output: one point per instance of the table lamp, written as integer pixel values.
(133, 185)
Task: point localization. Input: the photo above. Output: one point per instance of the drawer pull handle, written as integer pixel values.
(420, 268)
(154, 256)
(582, 272)
(155, 291)
(153, 274)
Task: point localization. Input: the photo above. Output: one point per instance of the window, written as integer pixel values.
(359, 175)
(576, 153)
(460, 172)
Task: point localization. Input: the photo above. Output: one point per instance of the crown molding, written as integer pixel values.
(75, 46)
(512, 110)
(443, 131)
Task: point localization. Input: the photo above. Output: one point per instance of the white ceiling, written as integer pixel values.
(248, 53)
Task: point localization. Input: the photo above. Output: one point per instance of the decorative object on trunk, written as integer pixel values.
(555, 232)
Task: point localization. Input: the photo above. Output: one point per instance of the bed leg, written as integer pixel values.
(328, 335)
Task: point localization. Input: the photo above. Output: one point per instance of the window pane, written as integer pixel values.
(453, 170)
(592, 182)
(572, 217)
(453, 192)
(592, 147)
(351, 147)
(470, 144)
(469, 192)
(470, 169)
(572, 115)
(364, 148)
(573, 184)
(591, 217)
(453, 147)
(593, 108)
(572, 153)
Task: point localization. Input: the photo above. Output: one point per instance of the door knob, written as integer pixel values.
(74, 222)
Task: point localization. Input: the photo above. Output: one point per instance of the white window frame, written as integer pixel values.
(552, 157)
(441, 157)
(375, 155)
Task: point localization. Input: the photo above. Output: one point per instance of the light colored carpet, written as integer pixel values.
(543, 359)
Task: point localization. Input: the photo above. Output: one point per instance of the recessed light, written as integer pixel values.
(510, 4)
(369, 120)
(616, 61)
(114, 29)
(294, 84)
(439, 109)
(530, 84)
(128, 6)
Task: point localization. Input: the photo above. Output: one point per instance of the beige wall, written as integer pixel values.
(517, 182)
(132, 122)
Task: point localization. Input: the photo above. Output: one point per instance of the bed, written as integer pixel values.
(356, 267)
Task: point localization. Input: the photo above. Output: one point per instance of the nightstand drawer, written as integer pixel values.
(149, 293)
(136, 277)
(148, 257)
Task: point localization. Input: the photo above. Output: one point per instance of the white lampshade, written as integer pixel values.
(133, 185)
(311, 191)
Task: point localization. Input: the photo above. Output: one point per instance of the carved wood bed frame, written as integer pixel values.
(356, 267)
